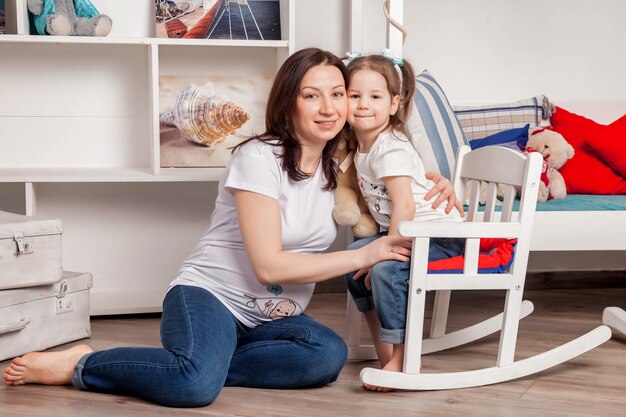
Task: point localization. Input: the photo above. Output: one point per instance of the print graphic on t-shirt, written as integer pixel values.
(275, 289)
(274, 307)
(376, 197)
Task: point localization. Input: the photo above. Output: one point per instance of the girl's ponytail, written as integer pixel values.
(407, 89)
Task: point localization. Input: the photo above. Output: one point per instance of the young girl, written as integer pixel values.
(393, 182)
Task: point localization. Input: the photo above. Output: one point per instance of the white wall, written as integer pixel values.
(323, 24)
(494, 50)
(480, 50)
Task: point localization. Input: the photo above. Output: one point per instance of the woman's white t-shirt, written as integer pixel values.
(220, 263)
(392, 154)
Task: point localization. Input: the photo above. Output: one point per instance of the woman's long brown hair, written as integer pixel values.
(280, 106)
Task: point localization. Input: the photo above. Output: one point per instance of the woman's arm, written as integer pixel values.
(445, 189)
(260, 225)
(403, 203)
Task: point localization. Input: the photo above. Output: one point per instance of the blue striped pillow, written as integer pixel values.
(439, 124)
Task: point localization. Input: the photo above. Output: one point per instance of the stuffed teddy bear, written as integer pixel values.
(350, 208)
(68, 17)
(556, 152)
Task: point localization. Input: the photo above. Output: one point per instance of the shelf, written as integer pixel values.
(35, 39)
(39, 39)
(78, 175)
(219, 42)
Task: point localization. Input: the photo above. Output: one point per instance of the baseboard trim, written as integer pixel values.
(113, 303)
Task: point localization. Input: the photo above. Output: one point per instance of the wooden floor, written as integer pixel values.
(593, 384)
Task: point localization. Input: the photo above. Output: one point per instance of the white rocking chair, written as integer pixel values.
(494, 165)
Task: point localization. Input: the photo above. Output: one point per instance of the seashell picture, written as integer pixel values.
(202, 117)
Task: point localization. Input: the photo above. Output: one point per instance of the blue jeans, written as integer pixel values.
(390, 286)
(206, 348)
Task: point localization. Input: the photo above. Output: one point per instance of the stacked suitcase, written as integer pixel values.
(40, 304)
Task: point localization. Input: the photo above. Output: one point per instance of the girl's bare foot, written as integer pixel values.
(48, 368)
(395, 364)
(391, 366)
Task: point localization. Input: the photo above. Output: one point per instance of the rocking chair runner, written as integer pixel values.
(493, 165)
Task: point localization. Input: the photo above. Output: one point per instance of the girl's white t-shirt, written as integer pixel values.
(220, 262)
(393, 155)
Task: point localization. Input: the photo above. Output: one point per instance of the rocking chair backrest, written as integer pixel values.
(506, 170)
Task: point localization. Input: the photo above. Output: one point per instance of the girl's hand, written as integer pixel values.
(445, 191)
(360, 273)
(368, 279)
(386, 248)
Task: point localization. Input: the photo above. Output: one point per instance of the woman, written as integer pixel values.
(233, 314)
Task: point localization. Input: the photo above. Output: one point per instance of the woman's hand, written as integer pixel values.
(386, 248)
(445, 191)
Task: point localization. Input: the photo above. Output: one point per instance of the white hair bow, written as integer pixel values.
(351, 56)
(396, 60)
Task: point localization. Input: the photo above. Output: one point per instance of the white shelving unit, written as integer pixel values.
(85, 110)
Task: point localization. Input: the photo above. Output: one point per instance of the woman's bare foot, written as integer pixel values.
(48, 368)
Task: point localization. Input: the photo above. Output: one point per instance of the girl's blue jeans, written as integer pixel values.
(206, 348)
(390, 286)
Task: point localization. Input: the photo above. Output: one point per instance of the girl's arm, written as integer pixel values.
(403, 203)
(445, 189)
(260, 225)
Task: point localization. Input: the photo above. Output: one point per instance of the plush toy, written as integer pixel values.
(68, 17)
(556, 152)
(350, 208)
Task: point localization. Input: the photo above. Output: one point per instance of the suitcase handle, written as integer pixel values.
(14, 327)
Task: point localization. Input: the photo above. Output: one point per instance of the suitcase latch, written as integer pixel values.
(62, 289)
(23, 247)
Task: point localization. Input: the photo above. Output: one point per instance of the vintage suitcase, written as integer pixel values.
(30, 251)
(36, 318)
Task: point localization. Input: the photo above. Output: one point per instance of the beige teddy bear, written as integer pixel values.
(350, 208)
(556, 152)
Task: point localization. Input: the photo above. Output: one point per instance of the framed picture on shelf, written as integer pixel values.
(202, 117)
(218, 19)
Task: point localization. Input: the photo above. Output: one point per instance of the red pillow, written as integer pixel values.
(586, 174)
(612, 147)
(599, 164)
(574, 128)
